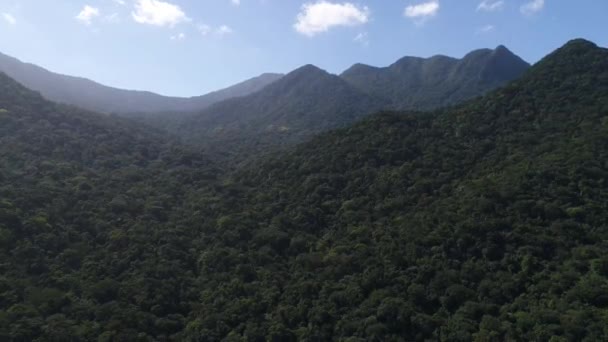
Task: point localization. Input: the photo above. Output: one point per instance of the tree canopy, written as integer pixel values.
(481, 222)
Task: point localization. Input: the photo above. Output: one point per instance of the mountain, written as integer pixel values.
(304, 102)
(484, 222)
(481, 222)
(93, 96)
(414, 83)
(84, 199)
(309, 100)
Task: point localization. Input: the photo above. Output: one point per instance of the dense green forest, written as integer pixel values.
(88, 241)
(414, 83)
(482, 222)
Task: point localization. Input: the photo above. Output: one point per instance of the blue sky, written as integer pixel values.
(190, 47)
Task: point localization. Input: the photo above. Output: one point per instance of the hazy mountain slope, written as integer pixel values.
(90, 95)
(309, 101)
(418, 84)
(241, 89)
(302, 103)
(484, 222)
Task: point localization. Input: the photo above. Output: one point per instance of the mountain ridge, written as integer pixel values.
(484, 221)
(300, 104)
(91, 95)
(415, 83)
(310, 100)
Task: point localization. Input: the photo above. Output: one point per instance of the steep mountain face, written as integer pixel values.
(302, 103)
(484, 222)
(420, 84)
(93, 96)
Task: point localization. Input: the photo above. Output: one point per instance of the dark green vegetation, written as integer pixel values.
(90, 95)
(89, 242)
(483, 222)
(414, 83)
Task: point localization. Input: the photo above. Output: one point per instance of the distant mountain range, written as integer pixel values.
(310, 100)
(410, 83)
(93, 96)
(305, 101)
(273, 110)
(420, 84)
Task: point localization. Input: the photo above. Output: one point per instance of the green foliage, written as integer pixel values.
(483, 222)
(414, 83)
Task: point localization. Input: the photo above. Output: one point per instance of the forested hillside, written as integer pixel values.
(482, 222)
(303, 103)
(486, 222)
(310, 101)
(414, 83)
(85, 244)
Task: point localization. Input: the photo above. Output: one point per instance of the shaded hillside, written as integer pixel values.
(414, 83)
(90, 95)
(302, 103)
(486, 222)
(309, 100)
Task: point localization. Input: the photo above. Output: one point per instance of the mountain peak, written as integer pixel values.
(574, 49)
(308, 68)
(358, 68)
(503, 53)
(502, 48)
(305, 73)
(580, 43)
(576, 57)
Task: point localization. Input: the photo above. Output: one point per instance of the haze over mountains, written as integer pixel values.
(309, 100)
(410, 83)
(93, 96)
(483, 221)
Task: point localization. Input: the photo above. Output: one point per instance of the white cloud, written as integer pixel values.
(223, 30)
(158, 13)
(9, 18)
(491, 6)
(423, 10)
(180, 36)
(112, 18)
(120, 2)
(235, 2)
(87, 14)
(532, 7)
(204, 29)
(319, 17)
(362, 38)
(486, 29)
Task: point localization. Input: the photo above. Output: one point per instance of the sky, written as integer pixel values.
(191, 47)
